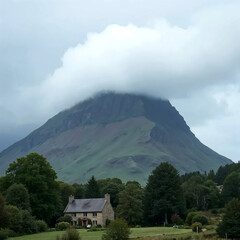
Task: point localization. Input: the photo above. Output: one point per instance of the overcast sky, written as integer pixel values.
(55, 53)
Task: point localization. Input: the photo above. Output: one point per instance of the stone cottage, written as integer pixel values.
(98, 210)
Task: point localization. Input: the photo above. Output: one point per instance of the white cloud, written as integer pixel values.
(162, 60)
(192, 63)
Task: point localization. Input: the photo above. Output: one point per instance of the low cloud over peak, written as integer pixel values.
(161, 60)
(192, 66)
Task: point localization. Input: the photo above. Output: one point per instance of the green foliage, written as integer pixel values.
(176, 219)
(3, 234)
(200, 218)
(92, 189)
(95, 229)
(224, 171)
(28, 224)
(231, 221)
(4, 216)
(111, 186)
(18, 196)
(197, 227)
(79, 191)
(63, 226)
(201, 193)
(37, 175)
(231, 187)
(15, 218)
(66, 190)
(79, 222)
(130, 205)
(107, 222)
(117, 230)
(65, 218)
(89, 221)
(163, 194)
(189, 218)
(41, 226)
(211, 175)
(71, 234)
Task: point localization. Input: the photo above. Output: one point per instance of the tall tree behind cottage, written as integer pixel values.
(163, 195)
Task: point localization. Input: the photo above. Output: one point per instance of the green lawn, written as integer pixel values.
(135, 232)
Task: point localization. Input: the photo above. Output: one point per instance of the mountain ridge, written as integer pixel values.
(113, 130)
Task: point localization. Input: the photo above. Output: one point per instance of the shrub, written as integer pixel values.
(65, 218)
(107, 222)
(210, 235)
(197, 227)
(190, 217)
(99, 226)
(95, 229)
(200, 218)
(71, 234)
(117, 229)
(89, 221)
(79, 222)
(62, 226)
(214, 211)
(3, 234)
(41, 226)
(28, 224)
(15, 218)
(11, 233)
(176, 219)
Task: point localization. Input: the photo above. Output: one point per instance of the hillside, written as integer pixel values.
(116, 135)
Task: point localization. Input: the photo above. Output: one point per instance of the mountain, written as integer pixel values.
(116, 135)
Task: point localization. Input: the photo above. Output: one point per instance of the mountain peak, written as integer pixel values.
(129, 134)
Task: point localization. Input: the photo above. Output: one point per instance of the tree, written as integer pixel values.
(79, 191)
(229, 226)
(92, 189)
(66, 190)
(111, 186)
(200, 218)
(201, 193)
(189, 218)
(17, 195)
(211, 175)
(37, 175)
(113, 189)
(231, 187)
(4, 216)
(163, 194)
(130, 205)
(117, 230)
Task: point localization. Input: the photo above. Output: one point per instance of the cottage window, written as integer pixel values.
(85, 214)
(94, 222)
(94, 214)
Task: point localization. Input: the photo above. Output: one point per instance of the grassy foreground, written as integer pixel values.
(135, 232)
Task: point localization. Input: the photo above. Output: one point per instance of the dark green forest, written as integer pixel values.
(32, 199)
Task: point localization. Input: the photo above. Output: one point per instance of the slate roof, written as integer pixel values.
(85, 205)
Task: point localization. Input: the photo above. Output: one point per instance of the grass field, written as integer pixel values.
(135, 232)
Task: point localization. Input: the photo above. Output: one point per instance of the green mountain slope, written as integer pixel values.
(116, 135)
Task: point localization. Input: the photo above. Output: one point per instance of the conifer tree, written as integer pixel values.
(163, 194)
(92, 189)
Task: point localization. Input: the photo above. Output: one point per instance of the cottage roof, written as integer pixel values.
(85, 205)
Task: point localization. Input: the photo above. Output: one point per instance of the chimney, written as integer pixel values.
(107, 197)
(70, 199)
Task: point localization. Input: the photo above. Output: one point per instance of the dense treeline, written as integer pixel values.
(31, 197)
